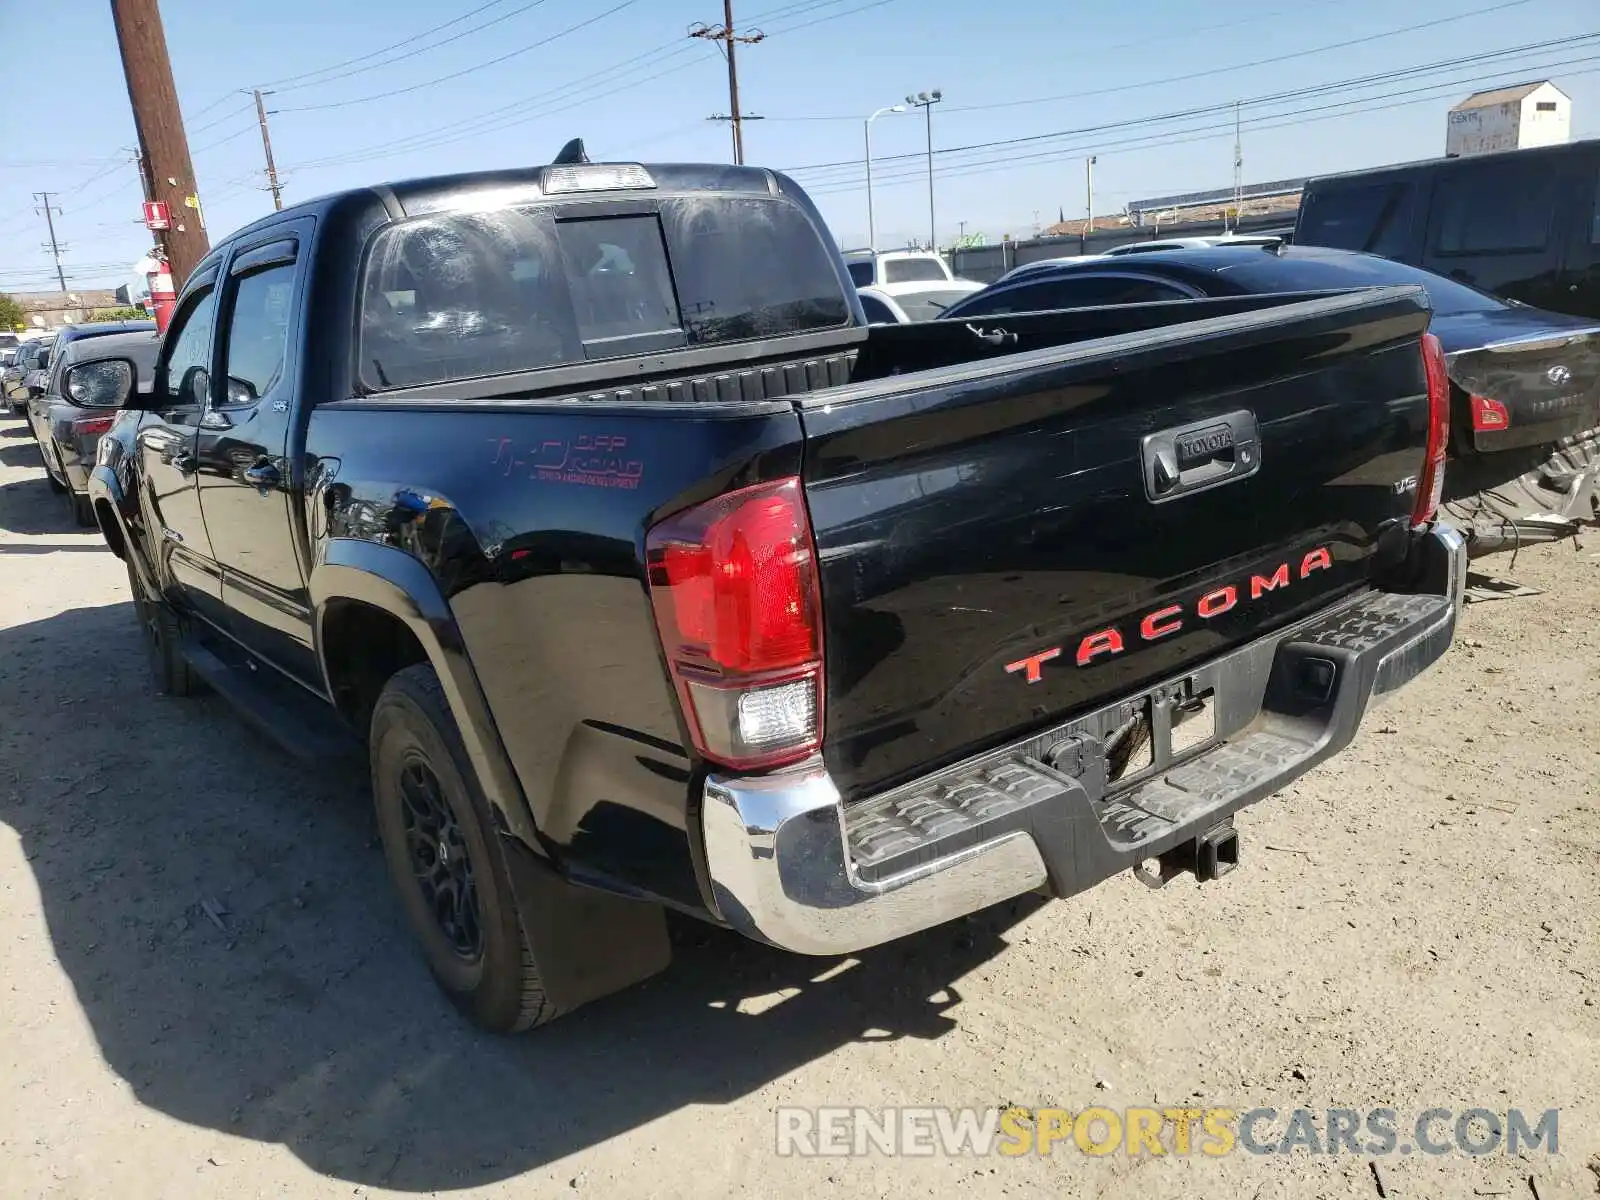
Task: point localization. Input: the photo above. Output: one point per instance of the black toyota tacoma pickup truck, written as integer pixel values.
(650, 577)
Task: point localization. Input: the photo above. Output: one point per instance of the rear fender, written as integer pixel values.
(392, 580)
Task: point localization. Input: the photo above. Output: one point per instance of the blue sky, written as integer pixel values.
(1054, 81)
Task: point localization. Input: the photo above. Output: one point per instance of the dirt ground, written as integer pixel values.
(207, 989)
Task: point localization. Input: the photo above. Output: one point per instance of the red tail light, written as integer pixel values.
(1488, 415)
(1430, 483)
(734, 586)
(85, 426)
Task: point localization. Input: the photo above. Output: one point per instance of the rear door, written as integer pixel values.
(997, 552)
(166, 448)
(246, 481)
(1494, 225)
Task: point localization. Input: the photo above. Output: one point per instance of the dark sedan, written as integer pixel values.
(86, 384)
(1522, 376)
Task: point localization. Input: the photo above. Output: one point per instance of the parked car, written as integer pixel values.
(652, 579)
(902, 306)
(33, 359)
(1520, 376)
(1523, 224)
(878, 268)
(37, 379)
(87, 382)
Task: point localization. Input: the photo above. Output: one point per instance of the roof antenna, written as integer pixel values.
(571, 153)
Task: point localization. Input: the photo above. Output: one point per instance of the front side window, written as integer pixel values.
(860, 273)
(1503, 208)
(186, 378)
(258, 332)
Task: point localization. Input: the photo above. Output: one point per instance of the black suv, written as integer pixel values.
(1524, 224)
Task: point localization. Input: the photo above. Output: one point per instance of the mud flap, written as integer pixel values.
(586, 943)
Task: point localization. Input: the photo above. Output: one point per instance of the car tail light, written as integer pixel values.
(87, 426)
(1488, 415)
(734, 586)
(1430, 483)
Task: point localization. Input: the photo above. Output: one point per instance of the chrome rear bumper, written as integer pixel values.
(792, 866)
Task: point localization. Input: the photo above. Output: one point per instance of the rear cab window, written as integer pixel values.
(914, 270)
(459, 295)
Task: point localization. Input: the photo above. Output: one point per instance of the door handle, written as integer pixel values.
(185, 463)
(263, 475)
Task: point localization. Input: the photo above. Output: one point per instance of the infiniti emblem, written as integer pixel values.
(1558, 374)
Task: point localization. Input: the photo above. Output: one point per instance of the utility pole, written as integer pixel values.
(163, 144)
(1088, 171)
(729, 40)
(925, 101)
(49, 220)
(266, 145)
(1238, 169)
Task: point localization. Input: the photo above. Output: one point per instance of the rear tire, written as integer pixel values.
(443, 854)
(162, 637)
(82, 510)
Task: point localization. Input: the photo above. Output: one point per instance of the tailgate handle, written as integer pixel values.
(1200, 455)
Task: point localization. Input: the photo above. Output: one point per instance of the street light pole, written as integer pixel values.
(866, 129)
(925, 101)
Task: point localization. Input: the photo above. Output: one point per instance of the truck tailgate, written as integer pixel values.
(1001, 546)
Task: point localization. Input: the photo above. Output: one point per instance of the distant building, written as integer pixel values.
(1509, 118)
(46, 310)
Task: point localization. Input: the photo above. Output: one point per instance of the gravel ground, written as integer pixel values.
(208, 990)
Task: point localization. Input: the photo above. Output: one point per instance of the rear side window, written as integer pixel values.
(861, 273)
(463, 295)
(877, 311)
(913, 270)
(1500, 209)
(1374, 217)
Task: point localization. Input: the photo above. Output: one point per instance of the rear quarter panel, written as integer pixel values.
(532, 519)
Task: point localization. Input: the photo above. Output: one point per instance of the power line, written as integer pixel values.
(1257, 62)
(849, 12)
(504, 117)
(285, 83)
(417, 87)
(427, 49)
(512, 115)
(850, 165)
(1340, 108)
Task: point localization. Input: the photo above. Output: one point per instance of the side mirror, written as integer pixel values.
(104, 384)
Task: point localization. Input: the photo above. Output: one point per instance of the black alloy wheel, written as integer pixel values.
(440, 860)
